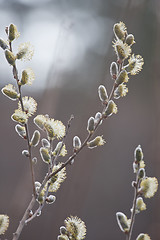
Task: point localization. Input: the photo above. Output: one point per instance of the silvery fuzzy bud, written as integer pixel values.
(34, 160)
(45, 143)
(76, 143)
(35, 138)
(37, 184)
(21, 131)
(72, 162)
(138, 154)
(98, 141)
(143, 236)
(57, 148)
(30, 213)
(102, 92)
(110, 109)
(3, 44)
(50, 199)
(122, 221)
(25, 153)
(114, 70)
(21, 53)
(130, 39)
(10, 92)
(39, 213)
(63, 230)
(90, 125)
(10, 57)
(141, 173)
(134, 184)
(45, 155)
(140, 205)
(98, 116)
(120, 30)
(122, 77)
(13, 32)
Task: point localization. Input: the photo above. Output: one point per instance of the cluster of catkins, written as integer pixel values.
(144, 187)
(55, 130)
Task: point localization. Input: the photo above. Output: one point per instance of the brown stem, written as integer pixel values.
(23, 220)
(15, 74)
(133, 213)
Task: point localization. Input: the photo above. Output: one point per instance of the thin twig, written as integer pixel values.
(133, 212)
(25, 216)
(40, 206)
(15, 74)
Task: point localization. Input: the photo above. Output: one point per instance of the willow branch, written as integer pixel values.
(25, 216)
(133, 213)
(15, 74)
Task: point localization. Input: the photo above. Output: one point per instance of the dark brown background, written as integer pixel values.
(99, 183)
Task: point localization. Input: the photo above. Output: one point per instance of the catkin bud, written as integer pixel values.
(119, 30)
(98, 116)
(45, 143)
(98, 141)
(25, 153)
(76, 143)
(45, 154)
(130, 39)
(50, 199)
(10, 57)
(35, 138)
(114, 70)
(34, 160)
(110, 109)
(22, 52)
(63, 230)
(90, 125)
(120, 91)
(143, 236)
(103, 93)
(21, 131)
(140, 205)
(13, 32)
(4, 220)
(138, 154)
(24, 78)
(57, 149)
(10, 92)
(141, 173)
(39, 213)
(40, 120)
(122, 221)
(3, 44)
(37, 184)
(122, 77)
(72, 162)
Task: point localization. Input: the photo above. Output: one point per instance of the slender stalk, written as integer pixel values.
(40, 206)
(15, 74)
(28, 143)
(133, 213)
(25, 216)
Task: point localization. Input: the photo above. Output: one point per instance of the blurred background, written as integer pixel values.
(73, 53)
